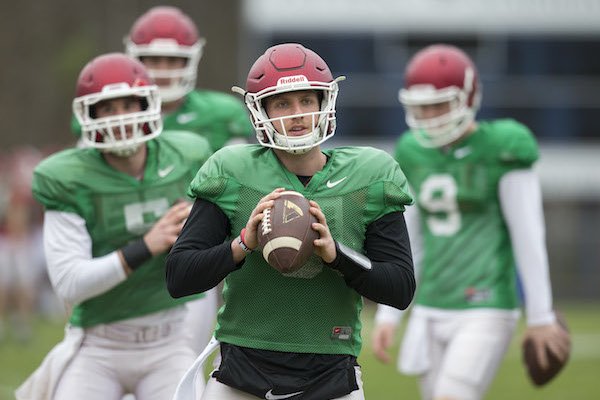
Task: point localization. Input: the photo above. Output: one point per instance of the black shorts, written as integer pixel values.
(269, 374)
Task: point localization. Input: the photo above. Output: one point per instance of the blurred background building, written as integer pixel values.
(539, 62)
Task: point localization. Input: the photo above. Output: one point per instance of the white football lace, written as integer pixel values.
(266, 222)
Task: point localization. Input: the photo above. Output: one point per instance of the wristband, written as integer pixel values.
(245, 248)
(136, 253)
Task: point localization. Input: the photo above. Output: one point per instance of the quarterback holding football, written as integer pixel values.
(478, 213)
(293, 332)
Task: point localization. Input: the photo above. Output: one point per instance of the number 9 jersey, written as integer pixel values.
(467, 261)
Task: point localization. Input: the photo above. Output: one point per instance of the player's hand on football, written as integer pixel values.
(164, 232)
(250, 237)
(324, 245)
(382, 339)
(552, 337)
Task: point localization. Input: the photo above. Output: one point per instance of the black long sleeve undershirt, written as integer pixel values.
(391, 279)
(201, 258)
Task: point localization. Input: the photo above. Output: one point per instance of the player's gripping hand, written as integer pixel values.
(552, 338)
(164, 232)
(250, 236)
(382, 339)
(324, 245)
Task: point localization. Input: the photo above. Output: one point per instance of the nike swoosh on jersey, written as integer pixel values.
(187, 117)
(462, 152)
(165, 171)
(335, 183)
(270, 396)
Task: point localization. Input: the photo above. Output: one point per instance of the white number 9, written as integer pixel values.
(438, 197)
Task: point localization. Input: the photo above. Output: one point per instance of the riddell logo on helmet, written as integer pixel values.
(288, 80)
(139, 82)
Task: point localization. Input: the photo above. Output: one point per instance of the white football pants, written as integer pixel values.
(465, 351)
(146, 360)
(201, 318)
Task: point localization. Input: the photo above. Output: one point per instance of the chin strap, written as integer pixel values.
(123, 151)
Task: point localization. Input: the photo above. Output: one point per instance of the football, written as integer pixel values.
(285, 233)
(540, 376)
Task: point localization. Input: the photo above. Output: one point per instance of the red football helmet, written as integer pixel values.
(440, 74)
(166, 31)
(113, 76)
(284, 68)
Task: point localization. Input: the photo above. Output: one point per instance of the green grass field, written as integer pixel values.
(579, 381)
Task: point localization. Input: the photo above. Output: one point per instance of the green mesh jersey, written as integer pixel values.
(118, 208)
(216, 116)
(311, 310)
(468, 260)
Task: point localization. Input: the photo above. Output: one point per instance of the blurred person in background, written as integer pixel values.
(21, 254)
(112, 210)
(478, 213)
(167, 42)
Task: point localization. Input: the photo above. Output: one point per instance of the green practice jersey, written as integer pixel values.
(216, 116)
(219, 117)
(117, 208)
(468, 260)
(311, 310)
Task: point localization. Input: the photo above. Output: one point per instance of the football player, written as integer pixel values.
(112, 211)
(167, 41)
(478, 212)
(294, 334)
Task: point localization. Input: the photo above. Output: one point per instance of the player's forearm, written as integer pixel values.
(521, 202)
(387, 283)
(191, 271)
(74, 274)
(200, 258)
(391, 278)
(78, 280)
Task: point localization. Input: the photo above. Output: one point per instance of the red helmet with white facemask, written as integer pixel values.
(165, 31)
(284, 68)
(436, 75)
(112, 76)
